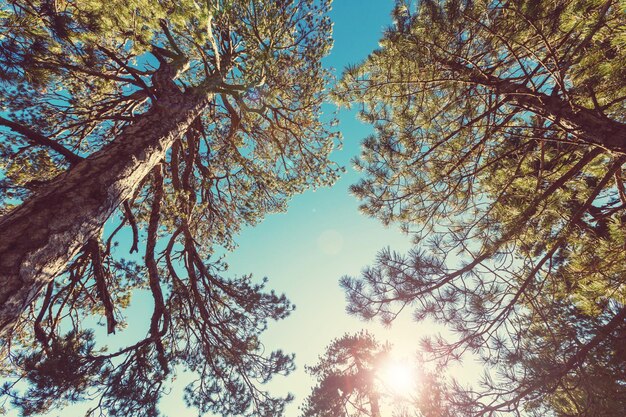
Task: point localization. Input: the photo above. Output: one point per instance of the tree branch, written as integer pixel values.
(39, 139)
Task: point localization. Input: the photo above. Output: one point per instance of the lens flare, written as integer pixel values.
(399, 378)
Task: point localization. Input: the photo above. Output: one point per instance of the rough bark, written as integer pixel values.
(42, 235)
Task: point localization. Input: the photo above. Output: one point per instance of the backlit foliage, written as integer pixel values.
(499, 146)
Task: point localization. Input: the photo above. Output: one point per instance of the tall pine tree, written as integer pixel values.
(177, 122)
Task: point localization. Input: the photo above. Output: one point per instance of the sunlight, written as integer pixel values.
(399, 378)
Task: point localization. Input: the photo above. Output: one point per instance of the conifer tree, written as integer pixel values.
(177, 122)
(350, 383)
(499, 144)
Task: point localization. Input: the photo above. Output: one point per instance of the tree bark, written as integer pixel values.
(40, 237)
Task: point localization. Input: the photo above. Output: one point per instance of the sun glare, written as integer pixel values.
(399, 378)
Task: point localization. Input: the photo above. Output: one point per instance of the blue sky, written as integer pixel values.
(322, 236)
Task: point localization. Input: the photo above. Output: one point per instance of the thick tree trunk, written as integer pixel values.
(40, 237)
(581, 122)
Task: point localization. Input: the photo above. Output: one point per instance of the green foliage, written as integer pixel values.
(61, 372)
(595, 389)
(491, 147)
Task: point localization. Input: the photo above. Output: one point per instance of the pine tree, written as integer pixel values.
(346, 376)
(177, 123)
(499, 144)
(350, 384)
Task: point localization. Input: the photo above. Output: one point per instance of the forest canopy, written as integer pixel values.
(138, 138)
(499, 146)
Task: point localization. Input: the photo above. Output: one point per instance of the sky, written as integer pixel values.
(320, 238)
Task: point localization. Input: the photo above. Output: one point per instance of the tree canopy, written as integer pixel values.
(499, 145)
(178, 123)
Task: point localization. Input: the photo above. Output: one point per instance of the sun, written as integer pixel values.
(398, 377)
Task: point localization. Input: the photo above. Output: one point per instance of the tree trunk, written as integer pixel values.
(42, 235)
(374, 406)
